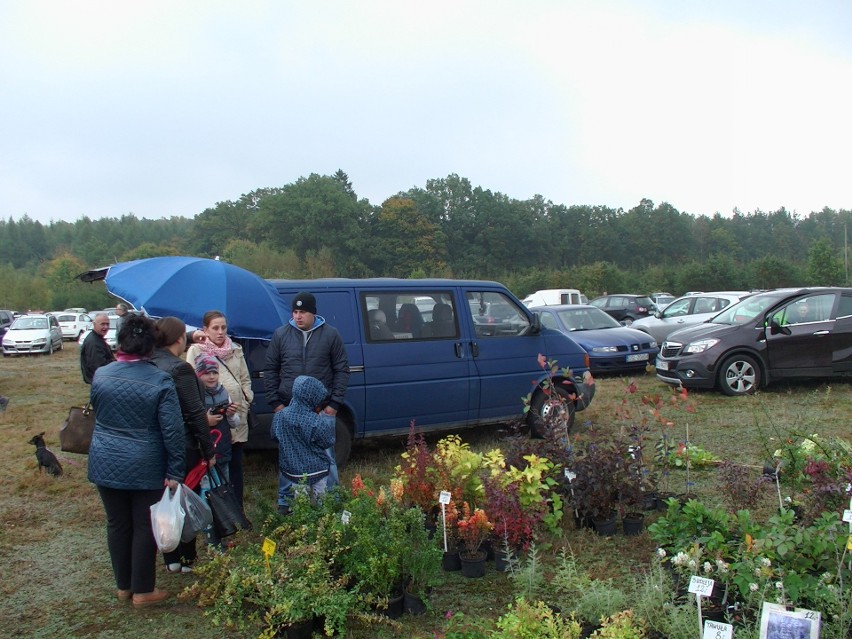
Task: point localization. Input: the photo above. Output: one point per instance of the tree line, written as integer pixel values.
(317, 226)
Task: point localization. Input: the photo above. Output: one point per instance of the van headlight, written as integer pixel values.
(701, 345)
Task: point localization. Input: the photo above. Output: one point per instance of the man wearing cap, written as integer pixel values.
(306, 345)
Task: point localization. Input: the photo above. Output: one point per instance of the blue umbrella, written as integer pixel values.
(188, 287)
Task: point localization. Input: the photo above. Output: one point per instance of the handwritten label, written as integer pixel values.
(345, 516)
(717, 630)
(570, 475)
(268, 547)
(444, 497)
(847, 516)
(700, 586)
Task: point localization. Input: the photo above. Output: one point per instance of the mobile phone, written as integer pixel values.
(220, 409)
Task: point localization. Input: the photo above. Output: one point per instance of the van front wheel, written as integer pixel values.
(342, 441)
(551, 413)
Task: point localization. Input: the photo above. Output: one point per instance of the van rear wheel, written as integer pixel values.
(551, 413)
(342, 441)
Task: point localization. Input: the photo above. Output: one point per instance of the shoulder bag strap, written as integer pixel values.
(245, 396)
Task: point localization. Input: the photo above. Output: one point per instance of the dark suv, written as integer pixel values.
(625, 308)
(6, 319)
(788, 333)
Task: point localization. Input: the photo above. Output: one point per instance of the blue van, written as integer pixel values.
(445, 354)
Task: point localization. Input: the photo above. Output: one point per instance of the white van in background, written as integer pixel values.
(552, 296)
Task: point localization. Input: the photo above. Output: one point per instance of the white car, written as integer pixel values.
(74, 324)
(691, 309)
(110, 338)
(33, 334)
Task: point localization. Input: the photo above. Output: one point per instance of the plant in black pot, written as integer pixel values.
(421, 563)
(598, 471)
(474, 528)
(637, 482)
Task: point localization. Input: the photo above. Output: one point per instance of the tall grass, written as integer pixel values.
(55, 577)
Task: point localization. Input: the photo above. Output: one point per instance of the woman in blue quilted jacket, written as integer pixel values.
(137, 448)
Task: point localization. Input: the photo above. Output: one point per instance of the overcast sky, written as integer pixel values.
(162, 108)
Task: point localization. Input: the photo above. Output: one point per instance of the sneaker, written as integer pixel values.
(283, 510)
(178, 569)
(140, 600)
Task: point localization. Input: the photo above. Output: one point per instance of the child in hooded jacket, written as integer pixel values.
(304, 433)
(207, 369)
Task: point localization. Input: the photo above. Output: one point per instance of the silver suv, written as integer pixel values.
(687, 311)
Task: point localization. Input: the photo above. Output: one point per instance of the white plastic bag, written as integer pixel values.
(167, 517)
(198, 515)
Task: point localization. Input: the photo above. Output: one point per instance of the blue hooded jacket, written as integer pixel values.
(303, 434)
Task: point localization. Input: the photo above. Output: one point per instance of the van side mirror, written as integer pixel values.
(535, 327)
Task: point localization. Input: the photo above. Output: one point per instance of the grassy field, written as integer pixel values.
(54, 567)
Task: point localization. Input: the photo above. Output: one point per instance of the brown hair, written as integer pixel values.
(209, 316)
(169, 330)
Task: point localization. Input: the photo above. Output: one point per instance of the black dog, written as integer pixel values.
(45, 458)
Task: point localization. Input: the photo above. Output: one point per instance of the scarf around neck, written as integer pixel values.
(221, 352)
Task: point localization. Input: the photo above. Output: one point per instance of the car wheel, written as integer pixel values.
(342, 441)
(61, 345)
(627, 321)
(551, 412)
(49, 347)
(739, 375)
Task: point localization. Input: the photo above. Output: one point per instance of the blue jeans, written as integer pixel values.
(286, 486)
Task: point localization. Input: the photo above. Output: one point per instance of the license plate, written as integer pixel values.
(663, 366)
(637, 357)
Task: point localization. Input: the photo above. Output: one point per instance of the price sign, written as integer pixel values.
(570, 475)
(717, 630)
(700, 586)
(444, 497)
(345, 516)
(847, 516)
(268, 547)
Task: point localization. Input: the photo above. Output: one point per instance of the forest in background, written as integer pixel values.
(318, 227)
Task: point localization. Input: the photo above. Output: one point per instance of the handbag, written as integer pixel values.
(228, 516)
(251, 419)
(75, 434)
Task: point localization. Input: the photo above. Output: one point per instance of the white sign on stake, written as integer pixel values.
(570, 475)
(847, 516)
(718, 630)
(444, 498)
(345, 516)
(700, 586)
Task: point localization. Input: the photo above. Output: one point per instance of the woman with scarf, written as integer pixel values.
(234, 376)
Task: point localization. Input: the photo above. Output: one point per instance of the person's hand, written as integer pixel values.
(211, 462)
(213, 420)
(171, 483)
(328, 410)
(232, 409)
(198, 337)
(278, 408)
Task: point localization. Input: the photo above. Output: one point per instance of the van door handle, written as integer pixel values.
(458, 349)
(474, 349)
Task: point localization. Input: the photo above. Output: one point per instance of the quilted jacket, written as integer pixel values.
(139, 436)
(318, 352)
(303, 435)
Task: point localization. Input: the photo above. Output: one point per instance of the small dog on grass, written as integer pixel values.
(45, 458)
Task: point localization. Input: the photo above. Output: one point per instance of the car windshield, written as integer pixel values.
(586, 319)
(26, 323)
(644, 301)
(744, 311)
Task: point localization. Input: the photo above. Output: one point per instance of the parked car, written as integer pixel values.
(6, 319)
(33, 334)
(111, 337)
(75, 309)
(787, 333)
(625, 308)
(612, 348)
(687, 311)
(661, 299)
(74, 324)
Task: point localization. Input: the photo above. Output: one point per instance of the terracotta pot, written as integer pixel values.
(473, 565)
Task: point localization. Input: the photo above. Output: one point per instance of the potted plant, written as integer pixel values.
(596, 485)
(474, 528)
(421, 563)
(417, 474)
(524, 619)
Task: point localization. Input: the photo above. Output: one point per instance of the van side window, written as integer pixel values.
(401, 315)
(495, 315)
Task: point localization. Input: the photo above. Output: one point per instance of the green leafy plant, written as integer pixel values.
(622, 625)
(525, 620)
(421, 563)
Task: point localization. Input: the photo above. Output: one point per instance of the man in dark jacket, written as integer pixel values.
(306, 345)
(95, 352)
